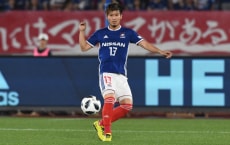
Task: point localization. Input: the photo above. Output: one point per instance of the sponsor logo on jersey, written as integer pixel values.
(117, 44)
(122, 35)
(105, 36)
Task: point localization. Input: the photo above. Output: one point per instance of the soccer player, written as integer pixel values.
(113, 53)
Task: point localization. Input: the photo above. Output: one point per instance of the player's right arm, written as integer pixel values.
(82, 41)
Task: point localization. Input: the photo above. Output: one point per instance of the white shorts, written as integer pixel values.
(115, 83)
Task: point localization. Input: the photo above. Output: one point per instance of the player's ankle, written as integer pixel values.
(107, 129)
(101, 123)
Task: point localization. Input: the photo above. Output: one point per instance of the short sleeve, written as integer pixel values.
(93, 39)
(135, 37)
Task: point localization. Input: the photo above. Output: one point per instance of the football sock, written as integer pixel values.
(121, 111)
(107, 112)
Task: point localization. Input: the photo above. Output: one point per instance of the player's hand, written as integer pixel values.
(82, 26)
(166, 53)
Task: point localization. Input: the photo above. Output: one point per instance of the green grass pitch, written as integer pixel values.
(148, 131)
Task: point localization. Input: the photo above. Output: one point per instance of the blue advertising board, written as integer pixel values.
(188, 82)
(64, 81)
(47, 81)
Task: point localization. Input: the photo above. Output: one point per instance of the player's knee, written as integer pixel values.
(127, 107)
(109, 100)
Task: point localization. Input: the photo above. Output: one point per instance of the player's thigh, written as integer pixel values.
(123, 91)
(107, 84)
(115, 85)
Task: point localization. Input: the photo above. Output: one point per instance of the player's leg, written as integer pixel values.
(108, 92)
(125, 106)
(107, 113)
(119, 112)
(124, 98)
(103, 126)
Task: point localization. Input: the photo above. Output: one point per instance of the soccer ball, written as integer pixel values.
(90, 105)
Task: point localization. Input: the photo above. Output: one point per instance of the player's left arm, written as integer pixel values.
(146, 45)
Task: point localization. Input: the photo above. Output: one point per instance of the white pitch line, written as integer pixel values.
(36, 129)
(179, 132)
(123, 131)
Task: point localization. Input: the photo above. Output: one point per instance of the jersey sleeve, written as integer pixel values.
(135, 37)
(93, 39)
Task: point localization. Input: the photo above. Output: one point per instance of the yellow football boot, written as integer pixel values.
(107, 137)
(100, 130)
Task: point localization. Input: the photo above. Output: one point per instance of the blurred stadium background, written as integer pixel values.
(194, 83)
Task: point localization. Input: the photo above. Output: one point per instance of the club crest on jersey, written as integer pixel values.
(122, 35)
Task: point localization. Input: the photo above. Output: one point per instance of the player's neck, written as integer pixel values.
(114, 28)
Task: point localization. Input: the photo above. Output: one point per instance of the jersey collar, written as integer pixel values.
(115, 29)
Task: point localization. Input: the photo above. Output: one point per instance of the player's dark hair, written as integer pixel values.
(114, 7)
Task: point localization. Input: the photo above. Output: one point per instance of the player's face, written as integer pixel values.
(114, 19)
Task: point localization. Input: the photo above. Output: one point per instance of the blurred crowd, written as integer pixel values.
(131, 5)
